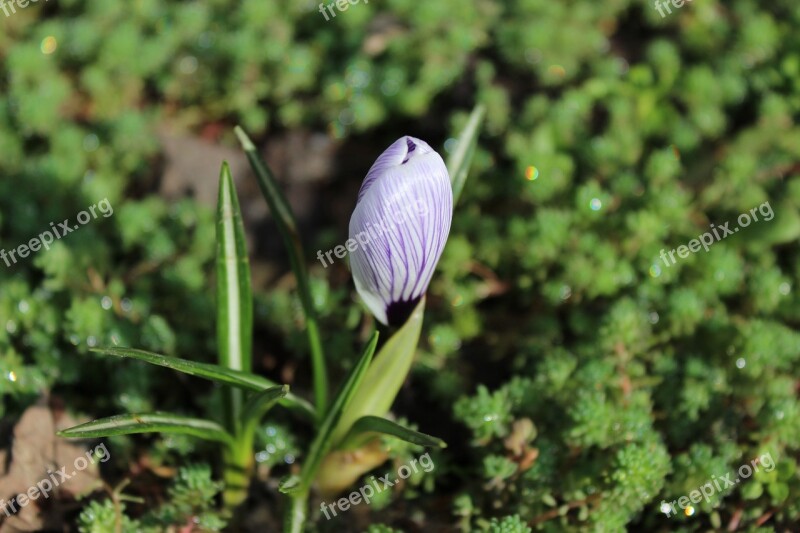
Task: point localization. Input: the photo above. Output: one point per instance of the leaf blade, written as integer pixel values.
(458, 163)
(130, 424)
(258, 405)
(234, 294)
(323, 441)
(365, 426)
(386, 375)
(235, 378)
(287, 227)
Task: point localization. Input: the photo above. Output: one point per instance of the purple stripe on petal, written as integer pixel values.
(411, 148)
(396, 154)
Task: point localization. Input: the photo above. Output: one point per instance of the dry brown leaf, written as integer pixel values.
(40, 462)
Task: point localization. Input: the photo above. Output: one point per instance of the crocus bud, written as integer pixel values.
(400, 226)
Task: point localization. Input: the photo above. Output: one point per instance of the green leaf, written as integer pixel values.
(779, 491)
(236, 378)
(234, 295)
(149, 423)
(323, 441)
(284, 217)
(289, 484)
(287, 227)
(386, 375)
(458, 163)
(367, 427)
(258, 405)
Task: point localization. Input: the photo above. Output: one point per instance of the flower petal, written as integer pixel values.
(396, 154)
(401, 223)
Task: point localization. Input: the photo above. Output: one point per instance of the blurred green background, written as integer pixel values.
(578, 380)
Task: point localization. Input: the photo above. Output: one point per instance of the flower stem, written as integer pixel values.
(296, 517)
(238, 466)
(317, 365)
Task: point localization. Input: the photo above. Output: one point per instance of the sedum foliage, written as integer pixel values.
(589, 380)
(508, 524)
(191, 501)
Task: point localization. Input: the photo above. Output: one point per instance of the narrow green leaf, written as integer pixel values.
(367, 427)
(289, 484)
(234, 295)
(258, 405)
(242, 459)
(458, 163)
(386, 375)
(280, 208)
(287, 227)
(323, 440)
(149, 423)
(235, 378)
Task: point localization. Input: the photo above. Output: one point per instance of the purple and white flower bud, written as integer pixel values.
(401, 223)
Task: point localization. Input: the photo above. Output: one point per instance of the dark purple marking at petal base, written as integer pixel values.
(398, 312)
